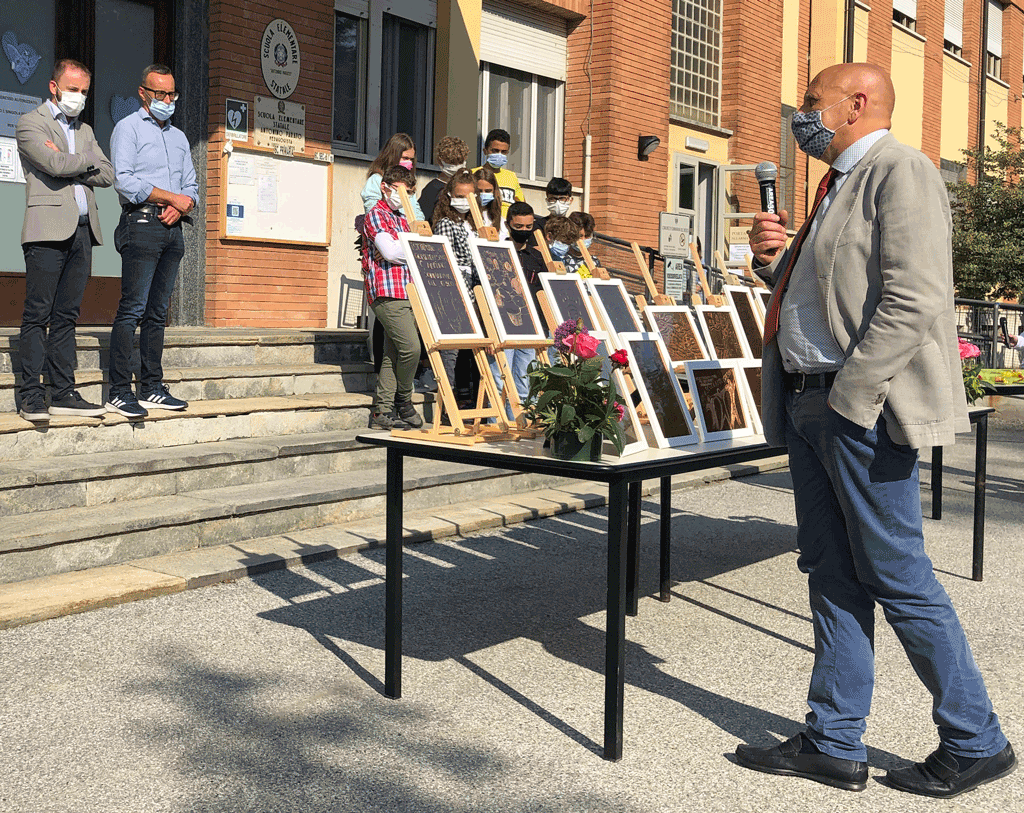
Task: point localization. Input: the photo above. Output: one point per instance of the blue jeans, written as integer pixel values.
(858, 509)
(518, 360)
(150, 255)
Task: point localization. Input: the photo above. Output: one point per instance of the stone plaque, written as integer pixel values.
(279, 124)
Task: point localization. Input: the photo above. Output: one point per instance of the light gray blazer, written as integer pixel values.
(51, 212)
(883, 254)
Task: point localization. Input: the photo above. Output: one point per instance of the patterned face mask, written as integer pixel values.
(811, 135)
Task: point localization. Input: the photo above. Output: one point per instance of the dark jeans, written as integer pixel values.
(150, 255)
(55, 278)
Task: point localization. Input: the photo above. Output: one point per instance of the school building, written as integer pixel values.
(578, 83)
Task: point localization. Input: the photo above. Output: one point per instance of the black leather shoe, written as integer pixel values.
(797, 756)
(941, 774)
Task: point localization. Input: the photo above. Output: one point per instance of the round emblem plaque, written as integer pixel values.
(280, 58)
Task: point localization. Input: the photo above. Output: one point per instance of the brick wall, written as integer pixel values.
(256, 284)
(880, 33)
(930, 15)
(1013, 61)
(973, 52)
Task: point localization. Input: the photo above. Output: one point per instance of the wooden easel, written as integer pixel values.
(709, 298)
(420, 227)
(729, 277)
(485, 232)
(656, 298)
(596, 271)
(549, 262)
(758, 282)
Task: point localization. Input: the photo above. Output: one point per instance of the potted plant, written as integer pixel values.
(572, 400)
(969, 355)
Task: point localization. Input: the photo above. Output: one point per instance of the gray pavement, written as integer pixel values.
(266, 694)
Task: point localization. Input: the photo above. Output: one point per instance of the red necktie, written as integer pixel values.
(771, 319)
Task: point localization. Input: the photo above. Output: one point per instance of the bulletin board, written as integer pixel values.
(275, 198)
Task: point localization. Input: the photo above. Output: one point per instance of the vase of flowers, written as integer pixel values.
(971, 368)
(572, 400)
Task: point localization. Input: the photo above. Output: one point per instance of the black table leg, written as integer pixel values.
(633, 551)
(980, 477)
(666, 537)
(393, 577)
(936, 482)
(615, 629)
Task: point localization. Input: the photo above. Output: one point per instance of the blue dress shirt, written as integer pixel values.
(147, 155)
(69, 135)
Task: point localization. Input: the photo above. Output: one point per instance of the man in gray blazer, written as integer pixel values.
(62, 164)
(860, 370)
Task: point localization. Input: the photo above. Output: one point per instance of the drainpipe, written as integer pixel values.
(983, 84)
(851, 6)
(586, 172)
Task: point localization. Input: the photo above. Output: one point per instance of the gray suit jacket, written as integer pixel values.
(51, 212)
(883, 254)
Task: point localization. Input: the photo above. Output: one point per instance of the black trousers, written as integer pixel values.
(55, 278)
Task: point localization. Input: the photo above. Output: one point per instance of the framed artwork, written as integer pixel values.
(569, 299)
(441, 287)
(678, 331)
(632, 429)
(751, 322)
(722, 332)
(505, 291)
(720, 399)
(660, 393)
(762, 296)
(617, 312)
(752, 375)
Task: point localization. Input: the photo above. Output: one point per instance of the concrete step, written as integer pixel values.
(202, 422)
(215, 347)
(72, 481)
(68, 539)
(216, 383)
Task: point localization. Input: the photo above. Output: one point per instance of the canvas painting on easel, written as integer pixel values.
(632, 430)
(659, 389)
(614, 306)
(568, 299)
(742, 300)
(725, 338)
(441, 288)
(505, 291)
(678, 331)
(752, 373)
(720, 399)
(763, 297)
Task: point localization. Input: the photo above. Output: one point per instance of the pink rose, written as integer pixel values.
(621, 410)
(586, 346)
(968, 350)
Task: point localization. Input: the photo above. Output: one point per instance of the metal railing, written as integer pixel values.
(981, 323)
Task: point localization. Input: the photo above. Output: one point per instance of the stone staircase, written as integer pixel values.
(267, 446)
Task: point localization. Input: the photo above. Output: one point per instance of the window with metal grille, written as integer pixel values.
(696, 61)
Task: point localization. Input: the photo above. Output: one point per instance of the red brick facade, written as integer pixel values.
(265, 284)
(930, 24)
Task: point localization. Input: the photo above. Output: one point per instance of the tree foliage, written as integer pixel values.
(988, 221)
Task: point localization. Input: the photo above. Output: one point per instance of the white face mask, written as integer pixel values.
(394, 200)
(451, 169)
(460, 205)
(558, 207)
(70, 103)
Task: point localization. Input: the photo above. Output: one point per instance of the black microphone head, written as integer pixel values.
(766, 171)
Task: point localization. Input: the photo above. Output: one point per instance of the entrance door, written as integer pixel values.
(738, 201)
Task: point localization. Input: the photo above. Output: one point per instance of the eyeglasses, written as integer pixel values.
(163, 95)
(563, 199)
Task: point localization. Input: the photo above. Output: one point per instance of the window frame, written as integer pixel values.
(681, 24)
(530, 147)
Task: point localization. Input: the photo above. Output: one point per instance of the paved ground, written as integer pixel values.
(266, 694)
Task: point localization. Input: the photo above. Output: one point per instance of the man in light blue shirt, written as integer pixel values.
(156, 182)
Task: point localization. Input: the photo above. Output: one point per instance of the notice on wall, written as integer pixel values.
(675, 277)
(242, 169)
(12, 107)
(266, 185)
(235, 217)
(11, 170)
(279, 125)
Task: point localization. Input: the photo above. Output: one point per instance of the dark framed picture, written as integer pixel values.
(632, 429)
(617, 312)
(752, 374)
(659, 389)
(718, 389)
(678, 331)
(441, 288)
(762, 296)
(505, 291)
(569, 299)
(722, 332)
(742, 300)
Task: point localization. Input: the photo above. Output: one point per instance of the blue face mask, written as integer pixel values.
(587, 241)
(161, 110)
(558, 249)
(811, 135)
(497, 160)
(486, 198)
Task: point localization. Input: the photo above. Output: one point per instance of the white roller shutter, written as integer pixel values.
(908, 7)
(995, 28)
(523, 38)
(953, 26)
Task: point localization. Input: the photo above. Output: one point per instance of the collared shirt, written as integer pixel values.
(806, 341)
(69, 135)
(383, 278)
(147, 155)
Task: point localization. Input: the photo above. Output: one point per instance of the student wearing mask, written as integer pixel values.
(451, 154)
(557, 198)
(496, 147)
(399, 151)
(560, 233)
(574, 259)
(452, 220)
(490, 206)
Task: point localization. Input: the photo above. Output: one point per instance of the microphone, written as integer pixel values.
(766, 172)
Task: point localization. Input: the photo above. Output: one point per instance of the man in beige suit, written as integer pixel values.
(860, 370)
(62, 164)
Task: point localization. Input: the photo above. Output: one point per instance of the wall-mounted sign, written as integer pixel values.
(279, 124)
(236, 118)
(674, 235)
(12, 107)
(280, 58)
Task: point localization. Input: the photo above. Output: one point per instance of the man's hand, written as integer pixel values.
(183, 204)
(1011, 341)
(52, 146)
(169, 216)
(768, 237)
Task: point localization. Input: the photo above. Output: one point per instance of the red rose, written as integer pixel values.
(620, 358)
